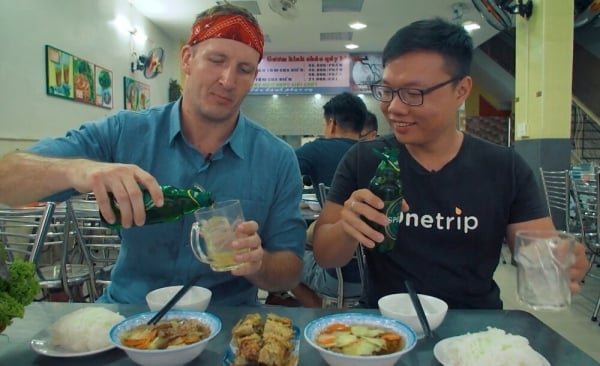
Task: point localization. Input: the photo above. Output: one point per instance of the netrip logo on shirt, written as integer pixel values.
(458, 222)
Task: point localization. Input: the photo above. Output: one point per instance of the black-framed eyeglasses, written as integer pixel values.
(409, 96)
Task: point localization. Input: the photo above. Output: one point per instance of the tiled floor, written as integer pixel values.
(574, 323)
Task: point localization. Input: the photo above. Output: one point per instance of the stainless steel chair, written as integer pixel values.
(101, 244)
(340, 301)
(556, 184)
(586, 196)
(41, 235)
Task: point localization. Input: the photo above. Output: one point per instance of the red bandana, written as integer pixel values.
(234, 27)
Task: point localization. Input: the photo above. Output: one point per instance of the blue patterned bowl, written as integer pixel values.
(173, 356)
(312, 330)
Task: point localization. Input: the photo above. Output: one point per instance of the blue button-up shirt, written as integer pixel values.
(253, 166)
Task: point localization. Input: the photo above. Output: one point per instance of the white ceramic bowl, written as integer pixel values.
(197, 298)
(399, 307)
(174, 356)
(312, 330)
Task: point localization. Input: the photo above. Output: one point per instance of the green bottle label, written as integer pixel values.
(393, 210)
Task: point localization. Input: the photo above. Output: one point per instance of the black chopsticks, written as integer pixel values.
(158, 316)
(414, 298)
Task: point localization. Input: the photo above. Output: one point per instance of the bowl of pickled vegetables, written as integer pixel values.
(179, 337)
(357, 339)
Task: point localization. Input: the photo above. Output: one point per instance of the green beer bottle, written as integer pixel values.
(386, 184)
(177, 202)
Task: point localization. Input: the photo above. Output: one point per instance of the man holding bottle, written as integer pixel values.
(462, 195)
(203, 139)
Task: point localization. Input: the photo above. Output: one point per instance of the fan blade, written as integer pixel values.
(494, 14)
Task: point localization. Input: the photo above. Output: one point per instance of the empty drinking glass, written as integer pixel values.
(543, 261)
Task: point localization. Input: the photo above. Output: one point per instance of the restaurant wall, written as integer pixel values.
(85, 28)
(290, 115)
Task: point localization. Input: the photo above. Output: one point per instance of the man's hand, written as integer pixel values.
(123, 180)
(579, 268)
(247, 238)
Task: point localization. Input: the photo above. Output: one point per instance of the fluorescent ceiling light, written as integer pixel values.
(357, 25)
(351, 46)
(470, 26)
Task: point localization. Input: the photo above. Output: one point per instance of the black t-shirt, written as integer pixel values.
(319, 158)
(449, 241)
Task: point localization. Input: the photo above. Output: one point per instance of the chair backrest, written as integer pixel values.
(43, 236)
(584, 186)
(101, 244)
(358, 259)
(24, 230)
(323, 191)
(556, 186)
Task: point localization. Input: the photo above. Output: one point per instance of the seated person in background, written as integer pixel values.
(343, 118)
(201, 138)
(369, 131)
(462, 195)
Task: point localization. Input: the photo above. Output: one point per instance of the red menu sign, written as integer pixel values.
(303, 74)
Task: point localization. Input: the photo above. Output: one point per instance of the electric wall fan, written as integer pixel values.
(585, 11)
(150, 64)
(285, 8)
(499, 13)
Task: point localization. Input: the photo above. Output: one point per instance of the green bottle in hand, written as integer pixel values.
(177, 202)
(386, 184)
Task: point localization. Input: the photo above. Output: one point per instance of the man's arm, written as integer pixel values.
(279, 271)
(26, 177)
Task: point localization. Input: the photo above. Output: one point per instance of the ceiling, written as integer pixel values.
(303, 33)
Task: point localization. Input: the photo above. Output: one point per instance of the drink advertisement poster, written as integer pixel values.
(367, 69)
(303, 74)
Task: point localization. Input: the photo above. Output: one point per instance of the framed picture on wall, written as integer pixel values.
(104, 87)
(59, 67)
(83, 78)
(137, 94)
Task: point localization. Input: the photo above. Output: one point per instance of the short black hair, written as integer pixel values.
(348, 111)
(450, 40)
(371, 122)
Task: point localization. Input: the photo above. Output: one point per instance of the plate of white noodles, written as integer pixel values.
(493, 347)
(82, 332)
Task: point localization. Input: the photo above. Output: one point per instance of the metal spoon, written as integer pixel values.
(414, 298)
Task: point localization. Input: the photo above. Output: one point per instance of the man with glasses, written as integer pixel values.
(462, 195)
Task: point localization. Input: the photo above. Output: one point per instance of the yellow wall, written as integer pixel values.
(544, 52)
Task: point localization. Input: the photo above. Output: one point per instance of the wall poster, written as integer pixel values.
(104, 90)
(137, 94)
(74, 78)
(83, 75)
(58, 73)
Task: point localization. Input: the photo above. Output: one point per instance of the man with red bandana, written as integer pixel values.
(202, 138)
(462, 195)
